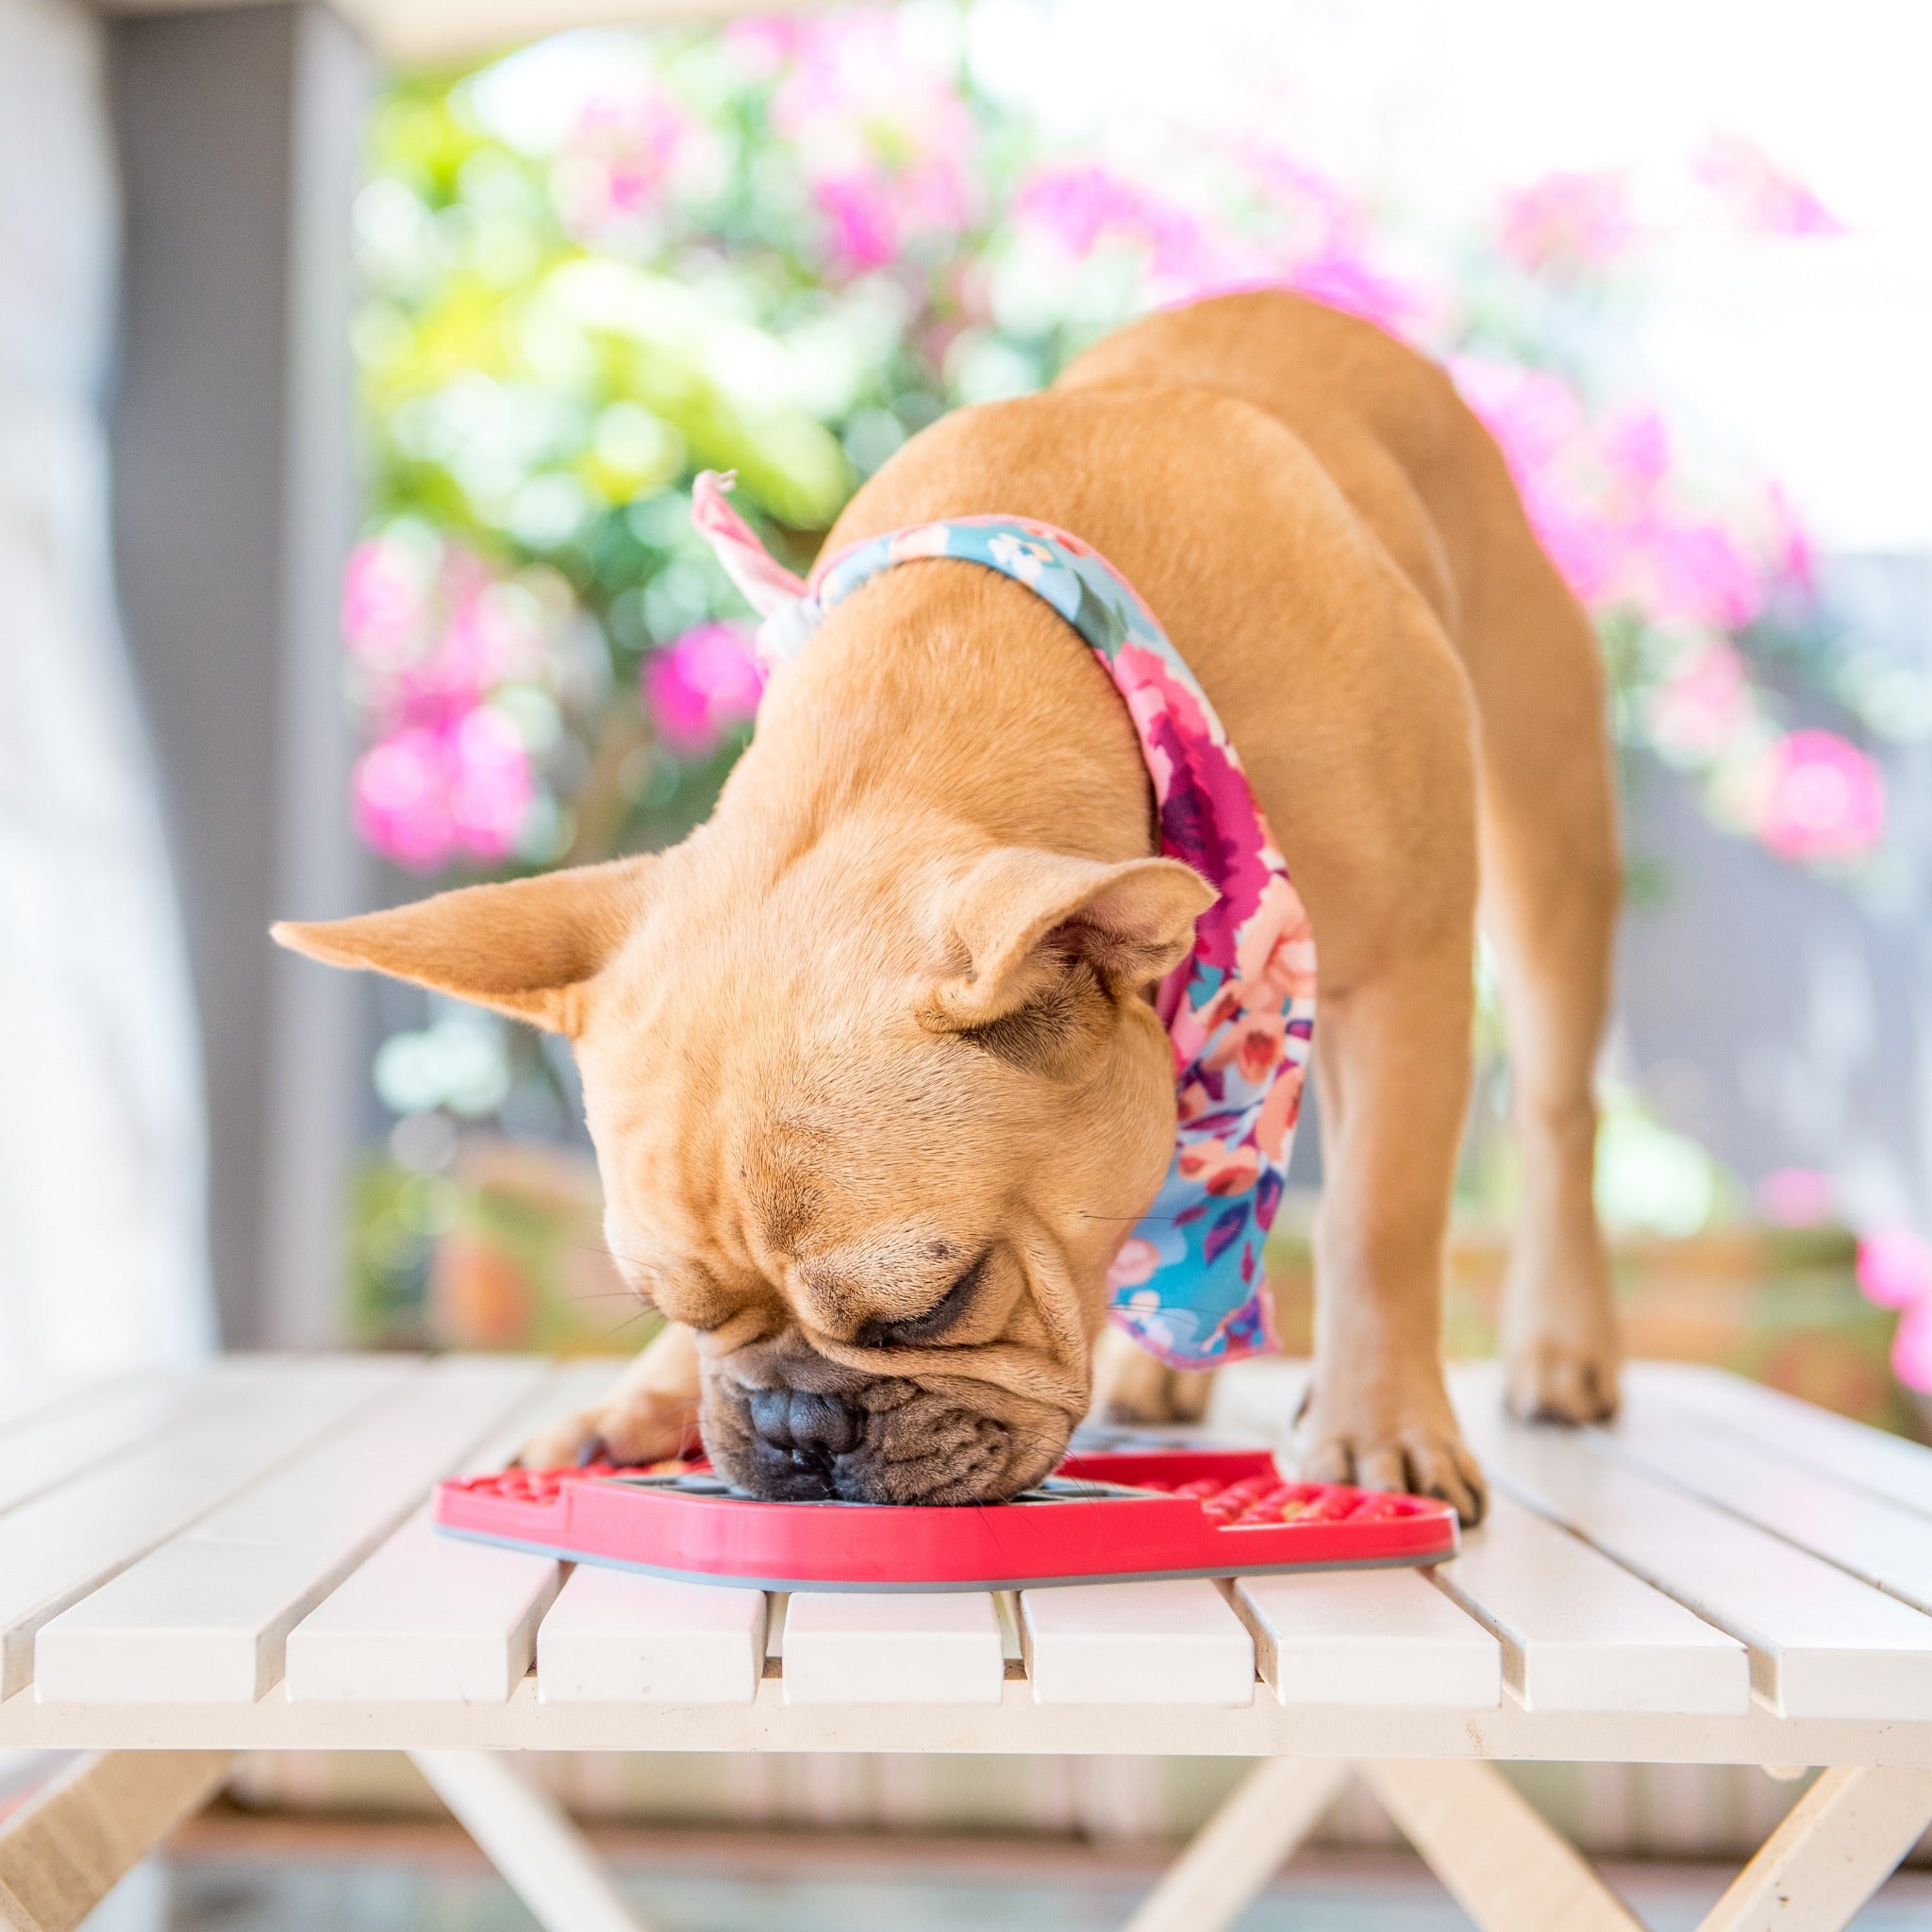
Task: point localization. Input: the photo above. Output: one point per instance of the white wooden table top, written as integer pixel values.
(242, 1557)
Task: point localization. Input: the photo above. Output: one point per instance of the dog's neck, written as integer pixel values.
(945, 696)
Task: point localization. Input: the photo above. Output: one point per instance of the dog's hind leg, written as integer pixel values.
(1552, 875)
(1131, 1387)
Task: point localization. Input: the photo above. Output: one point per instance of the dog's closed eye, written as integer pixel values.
(916, 1329)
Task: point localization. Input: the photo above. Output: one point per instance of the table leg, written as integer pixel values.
(1502, 1864)
(1241, 1847)
(68, 1847)
(1839, 1845)
(530, 1838)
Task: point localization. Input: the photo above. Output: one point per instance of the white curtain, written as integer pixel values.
(102, 1258)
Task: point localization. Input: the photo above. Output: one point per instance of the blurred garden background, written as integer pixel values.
(356, 360)
(597, 264)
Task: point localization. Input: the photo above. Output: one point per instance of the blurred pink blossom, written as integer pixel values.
(1789, 543)
(424, 794)
(702, 685)
(1824, 799)
(1083, 206)
(1895, 1268)
(1763, 197)
(1695, 569)
(1896, 1271)
(1796, 1196)
(1634, 447)
(430, 631)
(1695, 712)
(1344, 280)
(1599, 496)
(630, 144)
(431, 634)
(1911, 1347)
(1566, 222)
(385, 597)
(882, 134)
(1535, 417)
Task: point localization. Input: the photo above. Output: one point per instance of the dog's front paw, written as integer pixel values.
(618, 1431)
(1393, 1436)
(1560, 1378)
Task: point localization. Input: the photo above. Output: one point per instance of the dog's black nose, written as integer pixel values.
(799, 1438)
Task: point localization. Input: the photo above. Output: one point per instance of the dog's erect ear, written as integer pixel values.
(524, 948)
(1022, 917)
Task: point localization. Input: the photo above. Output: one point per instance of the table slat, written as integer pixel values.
(430, 1616)
(26, 1401)
(1822, 1643)
(55, 1548)
(618, 1637)
(83, 1434)
(892, 1647)
(206, 1615)
(1867, 1459)
(1174, 1641)
(1369, 1637)
(1874, 1538)
(1581, 1632)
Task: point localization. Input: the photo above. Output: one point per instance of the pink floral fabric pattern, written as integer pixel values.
(1187, 1283)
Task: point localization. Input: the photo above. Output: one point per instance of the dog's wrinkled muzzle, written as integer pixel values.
(828, 1434)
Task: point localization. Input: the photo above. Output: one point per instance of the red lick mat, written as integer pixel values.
(1099, 1519)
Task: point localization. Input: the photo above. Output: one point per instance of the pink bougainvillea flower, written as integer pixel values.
(1896, 1271)
(1895, 1267)
(490, 786)
(1911, 1347)
(1698, 710)
(427, 793)
(1700, 572)
(401, 790)
(863, 212)
(1569, 222)
(1796, 1196)
(1761, 196)
(1634, 447)
(386, 590)
(1823, 799)
(699, 687)
(431, 631)
(634, 149)
(1792, 555)
(1345, 279)
(1536, 418)
(1083, 207)
(882, 135)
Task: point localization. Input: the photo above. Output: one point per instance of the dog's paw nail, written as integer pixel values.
(1549, 1383)
(595, 1450)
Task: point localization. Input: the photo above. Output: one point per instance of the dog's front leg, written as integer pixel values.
(1393, 1072)
(651, 1414)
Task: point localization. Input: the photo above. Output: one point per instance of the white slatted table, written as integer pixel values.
(243, 1559)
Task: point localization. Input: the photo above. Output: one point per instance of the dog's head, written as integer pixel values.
(873, 1112)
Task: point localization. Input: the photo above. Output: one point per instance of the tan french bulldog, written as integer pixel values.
(868, 1060)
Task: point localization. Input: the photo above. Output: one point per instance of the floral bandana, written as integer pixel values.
(1187, 1285)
